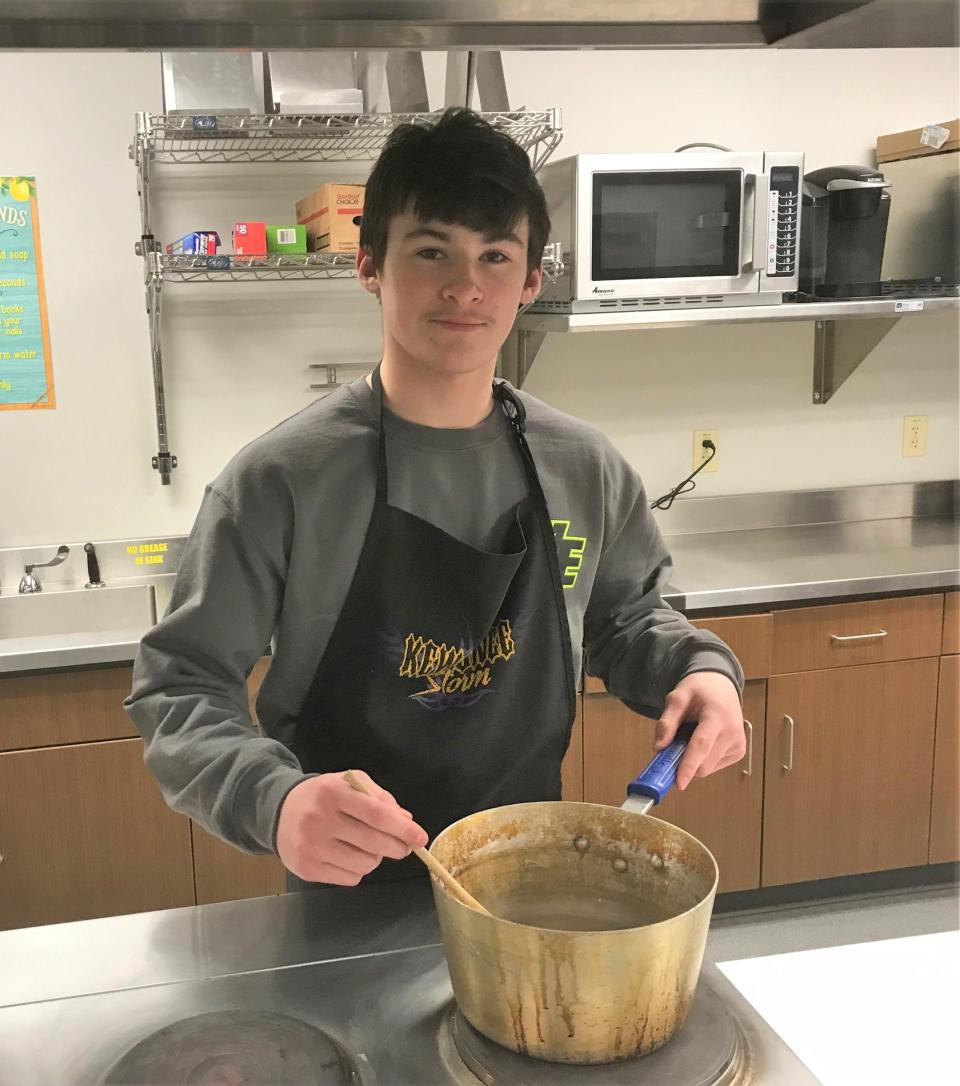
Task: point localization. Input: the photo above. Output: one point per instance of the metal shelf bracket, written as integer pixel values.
(517, 354)
(838, 349)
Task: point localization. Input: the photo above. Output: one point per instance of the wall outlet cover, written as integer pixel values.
(915, 435)
(700, 453)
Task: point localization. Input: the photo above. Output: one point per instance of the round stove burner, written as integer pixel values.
(709, 1050)
(235, 1048)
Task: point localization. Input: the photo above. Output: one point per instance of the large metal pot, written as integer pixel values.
(524, 979)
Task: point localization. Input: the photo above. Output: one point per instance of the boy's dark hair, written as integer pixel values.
(459, 170)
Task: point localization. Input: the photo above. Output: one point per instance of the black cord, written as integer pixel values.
(682, 488)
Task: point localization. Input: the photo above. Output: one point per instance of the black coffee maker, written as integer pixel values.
(843, 226)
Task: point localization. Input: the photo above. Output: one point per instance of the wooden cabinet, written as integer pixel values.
(849, 761)
(844, 634)
(572, 768)
(222, 872)
(749, 638)
(951, 624)
(945, 813)
(46, 710)
(722, 810)
(84, 832)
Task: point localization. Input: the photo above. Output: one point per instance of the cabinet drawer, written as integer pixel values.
(951, 624)
(812, 638)
(65, 707)
(748, 636)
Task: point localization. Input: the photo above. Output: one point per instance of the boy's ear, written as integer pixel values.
(531, 288)
(367, 272)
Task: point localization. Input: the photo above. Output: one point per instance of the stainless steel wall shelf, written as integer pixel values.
(844, 334)
(234, 138)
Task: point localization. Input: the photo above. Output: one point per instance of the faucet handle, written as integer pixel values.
(29, 583)
(93, 567)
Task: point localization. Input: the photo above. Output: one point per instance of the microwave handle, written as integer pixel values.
(751, 246)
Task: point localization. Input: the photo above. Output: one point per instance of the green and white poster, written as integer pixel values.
(26, 369)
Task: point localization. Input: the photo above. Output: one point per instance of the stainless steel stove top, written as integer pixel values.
(368, 1018)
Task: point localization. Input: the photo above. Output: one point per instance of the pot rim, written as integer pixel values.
(488, 917)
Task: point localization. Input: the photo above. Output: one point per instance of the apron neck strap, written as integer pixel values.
(512, 405)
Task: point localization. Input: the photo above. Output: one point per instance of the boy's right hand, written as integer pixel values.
(328, 832)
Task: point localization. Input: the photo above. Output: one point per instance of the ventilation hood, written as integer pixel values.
(474, 24)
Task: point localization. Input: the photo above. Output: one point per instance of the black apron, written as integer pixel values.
(448, 677)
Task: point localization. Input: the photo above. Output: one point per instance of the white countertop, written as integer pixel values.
(869, 1013)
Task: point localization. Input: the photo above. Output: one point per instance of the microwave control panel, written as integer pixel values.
(784, 212)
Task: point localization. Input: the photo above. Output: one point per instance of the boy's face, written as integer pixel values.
(449, 295)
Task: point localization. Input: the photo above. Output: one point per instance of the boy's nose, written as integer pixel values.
(462, 287)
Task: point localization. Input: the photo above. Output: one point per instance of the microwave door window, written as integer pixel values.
(671, 224)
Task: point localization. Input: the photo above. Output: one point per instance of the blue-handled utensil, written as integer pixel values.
(659, 777)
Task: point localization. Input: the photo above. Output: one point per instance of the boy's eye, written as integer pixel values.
(429, 254)
(496, 257)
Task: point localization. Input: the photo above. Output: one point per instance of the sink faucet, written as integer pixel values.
(30, 583)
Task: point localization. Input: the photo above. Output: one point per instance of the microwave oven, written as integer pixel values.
(672, 230)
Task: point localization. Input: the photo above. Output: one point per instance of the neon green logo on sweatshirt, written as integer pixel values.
(570, 550)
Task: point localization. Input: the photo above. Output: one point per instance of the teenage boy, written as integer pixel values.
(432, 555)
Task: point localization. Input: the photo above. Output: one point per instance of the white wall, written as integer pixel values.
(237, 357)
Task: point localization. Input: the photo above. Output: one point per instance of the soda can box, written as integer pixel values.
(197, 243)
(250, 239)
(286, 239)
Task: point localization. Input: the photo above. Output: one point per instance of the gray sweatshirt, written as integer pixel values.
(273, 551)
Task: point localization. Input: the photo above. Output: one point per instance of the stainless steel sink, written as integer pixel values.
(87, 610)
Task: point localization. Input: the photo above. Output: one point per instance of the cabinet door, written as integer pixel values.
(84, 832)
(848, 769)
(945, 816)
(224, 873)
(951, 623)
(722, 810)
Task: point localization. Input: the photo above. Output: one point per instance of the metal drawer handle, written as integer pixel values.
(859, 637)
(746, 772)
(788, 764)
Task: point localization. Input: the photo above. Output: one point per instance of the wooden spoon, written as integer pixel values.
(428, 858)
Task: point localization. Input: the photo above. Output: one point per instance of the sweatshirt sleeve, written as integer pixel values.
(634, 641)
(189, 696)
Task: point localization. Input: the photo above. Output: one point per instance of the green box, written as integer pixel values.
(286, 239)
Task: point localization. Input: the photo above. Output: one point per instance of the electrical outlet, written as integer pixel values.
(700, 453)
(915, 435)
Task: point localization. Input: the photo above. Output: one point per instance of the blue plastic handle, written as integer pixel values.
(661, 774)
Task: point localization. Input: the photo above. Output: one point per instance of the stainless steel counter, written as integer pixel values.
(733, 552)
(72, 994)
(769, 566)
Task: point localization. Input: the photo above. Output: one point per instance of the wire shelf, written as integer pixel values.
(343, 137)
(278, 266)
(225, 267)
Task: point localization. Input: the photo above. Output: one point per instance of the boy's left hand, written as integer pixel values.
(711, 699)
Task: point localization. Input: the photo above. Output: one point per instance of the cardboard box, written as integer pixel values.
(197, 243)
(331, 215)
(286, 239)
(914, 144)
(250, 239)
